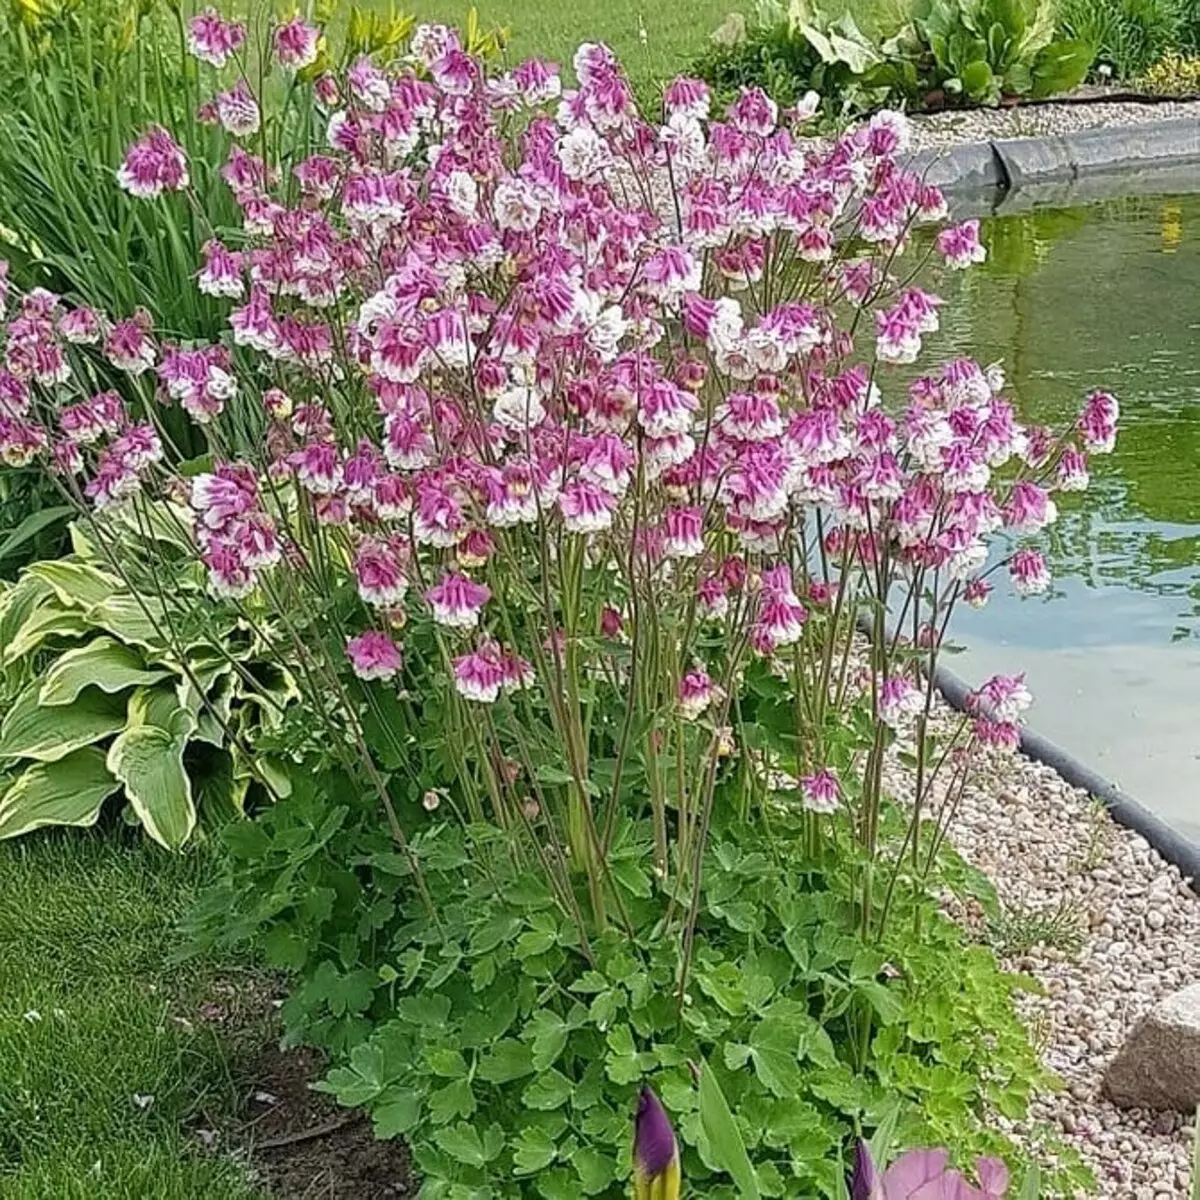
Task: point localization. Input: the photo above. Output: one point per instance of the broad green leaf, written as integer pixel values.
(126, 619)
(506, 1060)
(724, 1137)
(775, 1052)
(596, 1170)
(447, 1062)
(549, 1033)
(396, 1115)
(161, 707)
(533, 1150)
(48, 734)
(47, 619)
(149, 762)
(1061, 66)
(463, 1143)
(102, 662)
(76, 584)
(454, 1100)
(67, 792)
(548, 1091)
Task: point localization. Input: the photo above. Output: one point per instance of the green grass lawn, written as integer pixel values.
(674, 32)
(94, 1022)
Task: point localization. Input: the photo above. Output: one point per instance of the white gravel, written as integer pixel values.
(939, 130)
(1049, 848)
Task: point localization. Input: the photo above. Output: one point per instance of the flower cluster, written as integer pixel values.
(512, 384)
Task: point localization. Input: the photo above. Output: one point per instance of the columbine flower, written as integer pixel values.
(237, 110)
(820, 791)
(684, 528)
(296, 44)
(586, 507)
(153, 164)
(696, 692)
(1028, 571)
(1029, 508)
(1098, 424)
(899, 699)
(213, 40)
(960, 245)
(1073, 471)
(976, 592)
(373, 655)
(457, 601)
(480, 675)
(1005, 696)
(656, 1173)
(81, 326)
(381, 579)
(129, 347)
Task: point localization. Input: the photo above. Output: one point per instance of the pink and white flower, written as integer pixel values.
(373, 655)
(296, 44)
(154, 164)
(457, 601)
(960, 245)
(899, 700)
(1028, 571)
(820, 792)
(696, 692)
(212, 39)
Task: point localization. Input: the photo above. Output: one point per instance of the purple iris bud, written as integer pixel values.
(864, 1180)
(654, 1149)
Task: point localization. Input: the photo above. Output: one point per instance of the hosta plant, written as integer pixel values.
(983, 50)
(101, 705)
(580, 454)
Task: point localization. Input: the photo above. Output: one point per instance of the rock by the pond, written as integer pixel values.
(1159, 1064)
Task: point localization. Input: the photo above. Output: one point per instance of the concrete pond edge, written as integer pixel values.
(1009, 165)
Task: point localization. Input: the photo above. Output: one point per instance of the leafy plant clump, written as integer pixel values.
(502, 1051)
(946, 52)
(100, 702)
(1174, 74)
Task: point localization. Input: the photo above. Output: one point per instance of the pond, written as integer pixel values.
(1104, 295)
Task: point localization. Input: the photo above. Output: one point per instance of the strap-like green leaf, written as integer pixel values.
(724, 1137)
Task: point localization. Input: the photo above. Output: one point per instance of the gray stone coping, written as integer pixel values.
(1161, 156)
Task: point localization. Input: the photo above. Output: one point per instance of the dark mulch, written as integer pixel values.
(307, 1147)
(299, 1143)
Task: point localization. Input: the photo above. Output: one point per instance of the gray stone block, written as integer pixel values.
(1159, 1065)
(970, 167)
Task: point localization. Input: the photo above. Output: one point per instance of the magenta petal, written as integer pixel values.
(913, 1171)
(993, 1176)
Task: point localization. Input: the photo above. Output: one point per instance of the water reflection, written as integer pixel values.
(1104, 296)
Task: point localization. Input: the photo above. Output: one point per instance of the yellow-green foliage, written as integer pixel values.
(1174, 74)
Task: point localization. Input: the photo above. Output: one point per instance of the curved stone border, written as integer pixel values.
(1123, 808)
(1011, 163)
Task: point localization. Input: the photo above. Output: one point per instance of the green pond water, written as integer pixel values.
(1106, 295)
